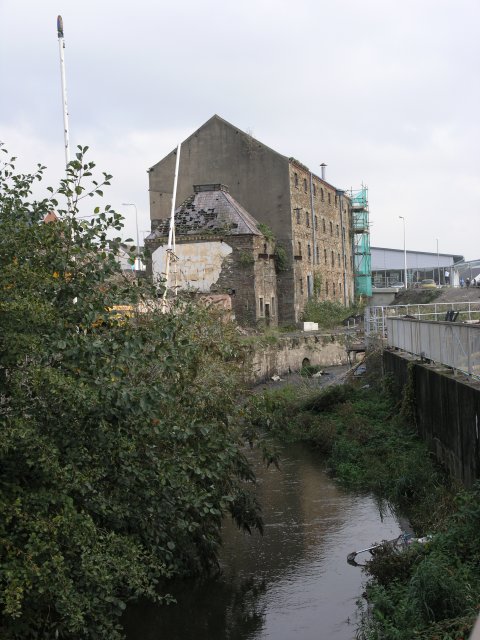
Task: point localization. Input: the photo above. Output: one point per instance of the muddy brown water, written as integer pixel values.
(293, 583)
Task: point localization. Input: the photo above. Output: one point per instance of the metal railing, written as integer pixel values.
(452, 344)
(376, 317)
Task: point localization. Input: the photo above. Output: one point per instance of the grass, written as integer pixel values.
(329, 314)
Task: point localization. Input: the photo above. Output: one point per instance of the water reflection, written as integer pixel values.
(292, 583)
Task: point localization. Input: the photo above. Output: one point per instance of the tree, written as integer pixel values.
(120, 452)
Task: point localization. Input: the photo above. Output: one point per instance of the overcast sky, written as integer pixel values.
(386, 92)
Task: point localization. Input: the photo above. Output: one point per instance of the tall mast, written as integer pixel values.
(170, 252)
(61, 47)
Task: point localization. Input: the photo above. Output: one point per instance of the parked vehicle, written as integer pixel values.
(397, 285)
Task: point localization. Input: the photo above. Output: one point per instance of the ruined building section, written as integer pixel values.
(219, 250)
(263, 182)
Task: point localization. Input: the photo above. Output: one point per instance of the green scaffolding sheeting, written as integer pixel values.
(361, 242)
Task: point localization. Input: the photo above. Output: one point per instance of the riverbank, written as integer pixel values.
(366, 436)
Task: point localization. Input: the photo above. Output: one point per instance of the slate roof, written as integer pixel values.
(210, 210)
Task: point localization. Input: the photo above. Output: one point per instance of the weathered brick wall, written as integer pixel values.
(447, 412)
(321, 257)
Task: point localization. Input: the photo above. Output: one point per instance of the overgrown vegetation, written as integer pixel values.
(327, 313)
(369, 444)
(266, 232)
(280, 257)
(119, 449)
(246, 259)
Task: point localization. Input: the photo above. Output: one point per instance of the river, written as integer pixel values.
(293, 583)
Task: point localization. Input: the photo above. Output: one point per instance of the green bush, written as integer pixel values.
(120, 451)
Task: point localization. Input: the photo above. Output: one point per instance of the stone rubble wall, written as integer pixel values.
(287, 354)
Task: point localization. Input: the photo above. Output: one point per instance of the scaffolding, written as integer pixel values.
(362, 259)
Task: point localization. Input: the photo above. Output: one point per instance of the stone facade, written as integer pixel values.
(279, 192)
(321, 237)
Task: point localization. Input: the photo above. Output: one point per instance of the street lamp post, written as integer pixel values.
(132, 204)
(404, 252)
(438, 263)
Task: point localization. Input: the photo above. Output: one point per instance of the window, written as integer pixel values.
(336, 200)
(331, 228)
(318, 255)
(338, 231)
(321, 194)
(299, 248)
(307, 218)
(260, 305)
(305, 185)
(338, 259)
(265, 248)
(333, 259)
(326, 288)
(297, 212)
(340, 287)
(301, 285)
(343, 233)
(334, 292)
(273, 306)
(295, 178)
(329, 198)
(325, 254)
(314, 189)
(323, 225)
(309, 252)
(316, 222)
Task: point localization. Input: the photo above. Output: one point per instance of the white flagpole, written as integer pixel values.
(61, 47)
(171, 231)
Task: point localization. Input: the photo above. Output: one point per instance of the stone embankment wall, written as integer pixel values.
(288, 354)
(447, 412)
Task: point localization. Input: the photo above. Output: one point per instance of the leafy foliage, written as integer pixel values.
(266, 232)
(282, 263)
(119, 449)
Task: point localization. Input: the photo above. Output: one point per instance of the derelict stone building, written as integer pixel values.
(309, 217)
(219, 249)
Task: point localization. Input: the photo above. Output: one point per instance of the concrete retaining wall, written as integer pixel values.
(447, 411)
(288, 353)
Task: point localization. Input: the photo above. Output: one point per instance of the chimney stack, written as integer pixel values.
(322, 167)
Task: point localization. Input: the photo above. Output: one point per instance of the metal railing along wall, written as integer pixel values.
(375, 317)
(452, 344)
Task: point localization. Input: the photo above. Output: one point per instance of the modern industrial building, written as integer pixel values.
(388, 266)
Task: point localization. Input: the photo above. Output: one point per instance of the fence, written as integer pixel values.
(376, 317)
(452, 344)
